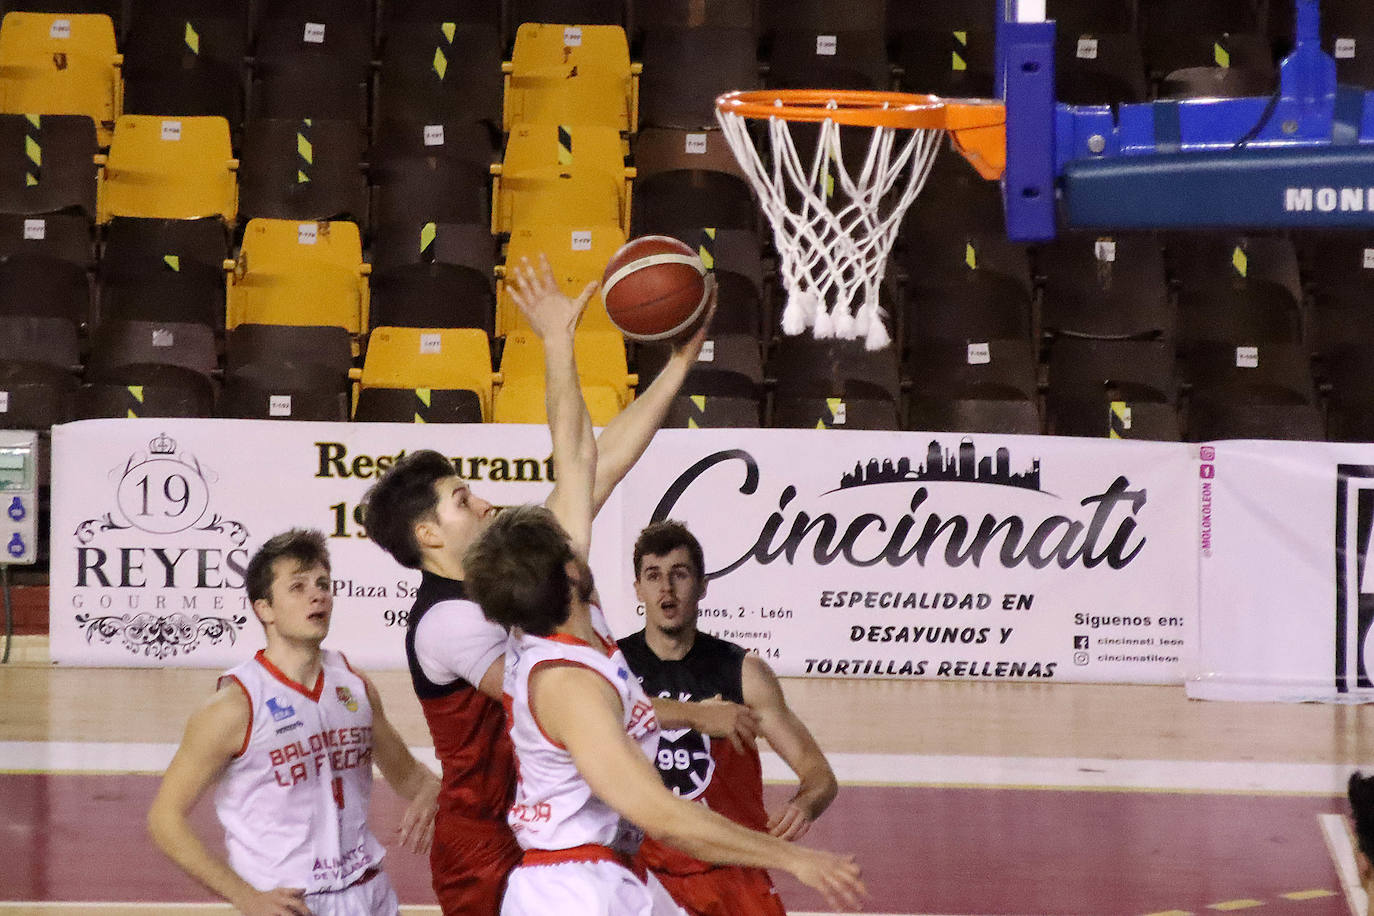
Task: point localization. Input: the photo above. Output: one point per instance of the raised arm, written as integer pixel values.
(629, 433)
(214, 735)
(554, 318)
(577, 708)
(792, 741)
(411, 779)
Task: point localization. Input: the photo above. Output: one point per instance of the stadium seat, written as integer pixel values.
(571, 74)
(988, 414)
(1266, 390)
(1348, 370)
(1093, 68)
(686, 68)
(806, 367)
(956, 198)
(299, 273)
(34, 395)
(578, 256)
(338, 29)
(1178, 34)
(146, 390)
(686, 178)
(161, 289)
(441, 71)
(186, 59)
(39, 339)
(439, 189)
(957, 61)
(948, 370)
(1257, 312)
(399, 12)
(551, 170)
(1210, 259)
(309, 169)
(649, 15)
(1207, 82)
(1098, 17)
(1100, 388)
(851, 58)
(1105, 285)
(521, 400)
(585, 12)
(834, 413)
(446, 359)
(267, 345)
(314, 85)
(708, 411)
(61, 63)
(729, 364)
(44, 286)
(978, 306)
(117, 345)
(434, 275)
(169, 168)
(418, 405)
(285, 391)
(48, 164)
(601, 362)
(61, 236)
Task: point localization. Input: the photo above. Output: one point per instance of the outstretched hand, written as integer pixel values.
(838, 878)
(547, 308)
(689, 348)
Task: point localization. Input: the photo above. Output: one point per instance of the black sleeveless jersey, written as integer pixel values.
(712, 667)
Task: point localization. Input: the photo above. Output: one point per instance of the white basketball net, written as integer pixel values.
(834, 247)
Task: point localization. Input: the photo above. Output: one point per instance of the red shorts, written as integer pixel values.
(470, 870)
(725, 891)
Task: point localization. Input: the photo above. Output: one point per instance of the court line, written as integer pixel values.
(1336, 833)
(852, 769)
(74, 908)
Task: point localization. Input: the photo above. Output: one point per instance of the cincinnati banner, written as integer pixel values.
(917, 555)
(830, 553)
(1287, 591)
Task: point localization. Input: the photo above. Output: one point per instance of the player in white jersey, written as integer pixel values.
(582, 728)
(289, 741)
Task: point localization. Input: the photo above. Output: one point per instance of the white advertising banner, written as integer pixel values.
(917, 555)
(1287, 597)
(153, 522)
(831, 553)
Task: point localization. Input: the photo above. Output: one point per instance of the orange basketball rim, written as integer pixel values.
(977, 127)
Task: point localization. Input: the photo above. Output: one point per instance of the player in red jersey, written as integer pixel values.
(426, 517)
(672, 658)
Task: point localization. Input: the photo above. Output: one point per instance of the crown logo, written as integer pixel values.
(163, 445)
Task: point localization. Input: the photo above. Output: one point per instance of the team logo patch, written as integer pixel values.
(685, 762)
(346, 697)
(279, 709)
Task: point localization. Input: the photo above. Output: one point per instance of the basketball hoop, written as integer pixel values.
(834, 239)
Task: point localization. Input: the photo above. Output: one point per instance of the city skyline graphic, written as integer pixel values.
(958, 465)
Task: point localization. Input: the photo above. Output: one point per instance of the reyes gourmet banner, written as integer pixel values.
(917, 555)
(1287, 589)
(153, 522)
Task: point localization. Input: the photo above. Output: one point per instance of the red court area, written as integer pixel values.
(966, 851)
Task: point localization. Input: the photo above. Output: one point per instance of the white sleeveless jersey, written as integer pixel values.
(294, 802)
(554, 807)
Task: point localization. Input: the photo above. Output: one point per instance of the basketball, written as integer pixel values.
(654, 288)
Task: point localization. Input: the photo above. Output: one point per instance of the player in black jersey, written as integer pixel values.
(673, 659)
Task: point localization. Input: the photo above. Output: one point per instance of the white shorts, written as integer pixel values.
(585, 889)
(372, 897)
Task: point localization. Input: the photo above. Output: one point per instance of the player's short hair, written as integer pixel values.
(1360, 791)
(401, 499)
(663, 537)
(306, 546)
(517, 571)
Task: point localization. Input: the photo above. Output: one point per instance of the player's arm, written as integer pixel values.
(716, 717)
(578, 708)
(627, 436)
(411, 779)
(793, 742)
(554, 318)
(214, 735)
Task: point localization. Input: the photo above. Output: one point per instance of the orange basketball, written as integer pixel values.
(654, 288)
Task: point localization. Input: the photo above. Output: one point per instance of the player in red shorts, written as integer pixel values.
(672, 658)
(425, 515)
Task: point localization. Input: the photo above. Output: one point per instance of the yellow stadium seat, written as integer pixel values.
(551, 170)
(298, 273)
(577, 255)
(600, 361)
(61, 63)
(434, 358)
(570, 74)
(169, 168)
(522, 401)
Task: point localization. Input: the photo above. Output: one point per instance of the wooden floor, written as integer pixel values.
(46, 703)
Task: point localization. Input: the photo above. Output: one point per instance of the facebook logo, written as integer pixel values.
(1080, 642)
(1354, 648)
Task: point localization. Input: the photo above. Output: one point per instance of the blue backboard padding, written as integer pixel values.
(1312, 187)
